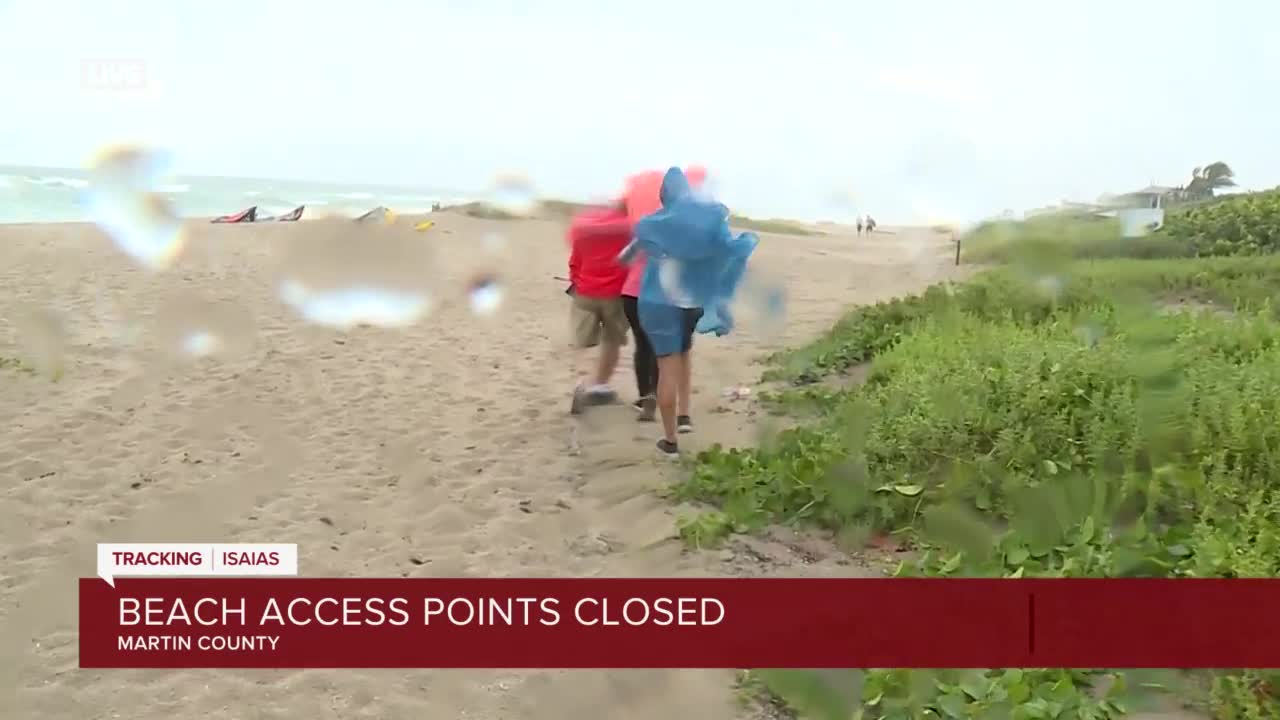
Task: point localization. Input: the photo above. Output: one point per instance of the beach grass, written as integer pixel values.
(775, 226)
(564, 209)
(1064, 418)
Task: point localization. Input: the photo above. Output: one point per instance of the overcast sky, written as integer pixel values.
(918, 109)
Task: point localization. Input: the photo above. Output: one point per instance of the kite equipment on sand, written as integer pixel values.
(378, 214)
(246, 215)
(293, 215)
(250, 215)
(423, 226)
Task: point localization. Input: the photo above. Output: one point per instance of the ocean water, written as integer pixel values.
(38, 195)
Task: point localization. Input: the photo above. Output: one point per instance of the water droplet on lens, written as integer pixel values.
(513, 193)
(201, 343)
(842, 204)
(493, 243)
(1090, 333)
(42, 341)
(192, 327)
(485, 295)
(345, 308)
(671, 280)
(348, 274)
(1050, 285)
(123, 200)
(765, 301)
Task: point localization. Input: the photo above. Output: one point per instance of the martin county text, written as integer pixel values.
(210, 643)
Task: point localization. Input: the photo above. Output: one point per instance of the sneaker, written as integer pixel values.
(638, 405)
(601, 395)
(684, 424)
(648, 409)
(668, 449)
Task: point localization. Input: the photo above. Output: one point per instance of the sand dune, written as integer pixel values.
(440, 450)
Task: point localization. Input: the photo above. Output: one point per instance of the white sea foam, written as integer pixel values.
(58, 182)
(59, 196)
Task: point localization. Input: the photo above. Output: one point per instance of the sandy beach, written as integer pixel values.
(444, 449)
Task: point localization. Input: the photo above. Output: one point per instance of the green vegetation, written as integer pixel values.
(563, 209)
(779, 227)
(1247, 224)
(1067, 236)
(552, 209)
(1244, 224)
(1208, 179)
(1054, 417)
(15, 364)
(483, 211)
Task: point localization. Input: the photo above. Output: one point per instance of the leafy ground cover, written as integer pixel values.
(1075, 236)
(1242, 224)
(1050, 419)
(1245, 224)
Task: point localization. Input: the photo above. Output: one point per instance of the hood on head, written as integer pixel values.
(675, 187)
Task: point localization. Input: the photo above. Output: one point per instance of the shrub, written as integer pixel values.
(1066, 237)
(1016, 427)
(1246, 224)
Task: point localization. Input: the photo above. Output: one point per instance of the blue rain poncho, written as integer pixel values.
(695, 263)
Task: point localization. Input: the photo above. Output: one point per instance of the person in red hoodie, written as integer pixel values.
(596, 237)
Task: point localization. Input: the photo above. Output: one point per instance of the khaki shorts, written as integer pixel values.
(590, 318)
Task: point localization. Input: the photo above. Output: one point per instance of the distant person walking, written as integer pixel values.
(859, 225)
(596, 316)
(871, 224)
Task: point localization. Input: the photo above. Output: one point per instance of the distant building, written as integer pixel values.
(1152, 197)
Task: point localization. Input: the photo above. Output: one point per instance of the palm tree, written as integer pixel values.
(1209, 178)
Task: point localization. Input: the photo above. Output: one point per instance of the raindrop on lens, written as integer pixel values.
(773, 310)
(201, 343)
(191, 327)
(123, 200)
(349, 307)
(484, 294)
(493, 243)
(1090, 334)
(349, 274)
(775, 302)
(42, 339)
(513, 193)
(1050, 285)
(670, 279)
(842, 204)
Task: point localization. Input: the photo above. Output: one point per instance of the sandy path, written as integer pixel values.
(442, 450)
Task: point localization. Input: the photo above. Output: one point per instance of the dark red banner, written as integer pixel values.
(677, 623)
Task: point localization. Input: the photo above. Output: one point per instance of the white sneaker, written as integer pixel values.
(601, 394)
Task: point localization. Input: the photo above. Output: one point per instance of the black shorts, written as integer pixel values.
(689, 326)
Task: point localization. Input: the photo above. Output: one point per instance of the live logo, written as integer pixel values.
(113, 74)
